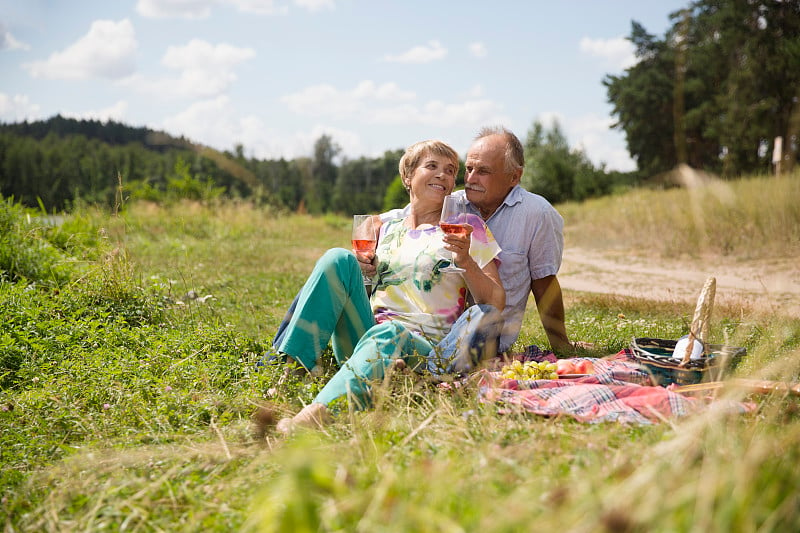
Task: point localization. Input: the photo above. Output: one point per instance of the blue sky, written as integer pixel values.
(275, 75)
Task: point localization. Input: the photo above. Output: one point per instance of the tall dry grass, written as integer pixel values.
(744, 218)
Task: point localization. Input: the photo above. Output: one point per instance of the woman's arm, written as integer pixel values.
(484, 284)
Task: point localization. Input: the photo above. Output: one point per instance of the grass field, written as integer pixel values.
(127, 405)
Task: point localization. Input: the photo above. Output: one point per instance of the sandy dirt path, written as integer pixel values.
(771, 284)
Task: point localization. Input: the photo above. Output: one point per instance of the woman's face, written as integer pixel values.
(433, 179)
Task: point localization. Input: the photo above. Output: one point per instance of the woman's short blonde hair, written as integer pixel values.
(417, 151)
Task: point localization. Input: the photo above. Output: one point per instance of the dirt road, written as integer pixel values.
(771, 284)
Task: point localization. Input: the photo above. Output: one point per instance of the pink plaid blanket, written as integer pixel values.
(619, 390)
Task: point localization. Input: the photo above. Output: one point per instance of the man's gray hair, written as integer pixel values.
(515, 153)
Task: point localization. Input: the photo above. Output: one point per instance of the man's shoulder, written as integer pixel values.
(524, 200)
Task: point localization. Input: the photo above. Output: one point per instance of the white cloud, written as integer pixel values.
(18, 108)
(320, 100)
(468, 113)
(389, 105)
(107, 51)
(202, 55)
(215, 123)
(8, 41)
(264, 143)
(316, 5)
(259, 7)
(385, 92)
(478, 50)
(190, 9)
(592, 133)
(327, 100)
(200, 9)
(476, 91)
(419, 54)
(619, 52)
(115, 112)
(205, 70)
(209, 122)
(366, 108)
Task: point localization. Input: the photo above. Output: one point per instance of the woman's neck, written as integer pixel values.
(420, 215)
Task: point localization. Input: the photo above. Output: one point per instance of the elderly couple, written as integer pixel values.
(416, 315)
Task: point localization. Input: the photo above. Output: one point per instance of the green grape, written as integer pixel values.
(530, 370)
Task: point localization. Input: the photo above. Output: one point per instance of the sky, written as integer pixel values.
(275, 75)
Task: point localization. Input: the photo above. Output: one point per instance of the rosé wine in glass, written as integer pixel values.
(452, 221)
(365, 237)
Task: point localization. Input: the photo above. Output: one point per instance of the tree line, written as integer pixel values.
(61, 162)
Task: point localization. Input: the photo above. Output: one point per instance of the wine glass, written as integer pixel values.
(365, 237)
(453, 218)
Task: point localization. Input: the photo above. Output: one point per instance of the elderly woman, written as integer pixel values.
(414, 308)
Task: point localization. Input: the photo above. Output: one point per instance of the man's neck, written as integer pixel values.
(486, 213)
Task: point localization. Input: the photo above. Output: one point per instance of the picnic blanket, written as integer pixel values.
(620, 390)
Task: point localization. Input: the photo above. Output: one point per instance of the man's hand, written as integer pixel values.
(550, 303)
(573, 348)
(583, 345)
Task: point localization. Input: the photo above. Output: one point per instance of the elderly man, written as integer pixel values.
(528, 229)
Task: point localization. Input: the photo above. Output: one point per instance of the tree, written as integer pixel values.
(642, 103)
(557, 172)
(362, 183)
(323, 174)
(721, 84)
(396, 195)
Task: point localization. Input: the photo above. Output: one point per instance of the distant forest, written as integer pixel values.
(60, 162)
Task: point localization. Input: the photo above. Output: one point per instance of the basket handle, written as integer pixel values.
(701, 319)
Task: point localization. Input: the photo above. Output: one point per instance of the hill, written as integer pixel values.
(110, 132)
(61, 161)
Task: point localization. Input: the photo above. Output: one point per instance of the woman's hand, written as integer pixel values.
(366, 260)
(458, 244)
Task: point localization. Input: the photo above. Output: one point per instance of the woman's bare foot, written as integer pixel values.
(313, 415)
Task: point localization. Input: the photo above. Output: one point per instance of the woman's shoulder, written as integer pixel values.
(393, 224)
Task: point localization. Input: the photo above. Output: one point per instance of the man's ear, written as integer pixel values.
(517, 177)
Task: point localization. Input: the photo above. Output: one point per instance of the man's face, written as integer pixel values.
(486, 180)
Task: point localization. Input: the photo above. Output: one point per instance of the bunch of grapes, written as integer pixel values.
(530, 370)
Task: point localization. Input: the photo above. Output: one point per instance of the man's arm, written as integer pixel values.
(550, 303)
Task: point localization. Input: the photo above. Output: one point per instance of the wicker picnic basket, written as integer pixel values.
(655, 355)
